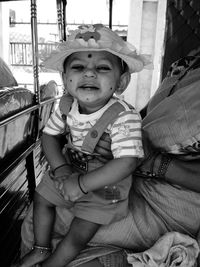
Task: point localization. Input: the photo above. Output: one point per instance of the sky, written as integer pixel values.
(86, 11)
(77, 11)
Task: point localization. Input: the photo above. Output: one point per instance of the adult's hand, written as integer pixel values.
(176, 171)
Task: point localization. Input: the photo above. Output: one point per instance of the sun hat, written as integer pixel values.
(97, 38)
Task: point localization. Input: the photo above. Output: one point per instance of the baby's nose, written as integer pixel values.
(90, 72)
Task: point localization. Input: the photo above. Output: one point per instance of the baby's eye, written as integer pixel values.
(77, 67)
(103, 68)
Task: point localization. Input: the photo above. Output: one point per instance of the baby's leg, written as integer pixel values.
(43, 221)
(80, 233)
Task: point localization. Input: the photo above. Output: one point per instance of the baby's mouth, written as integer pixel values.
(89, 87)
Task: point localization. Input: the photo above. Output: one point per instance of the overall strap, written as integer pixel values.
(98, 129)
(65, 105)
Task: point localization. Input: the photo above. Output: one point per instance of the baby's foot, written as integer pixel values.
(36, 255)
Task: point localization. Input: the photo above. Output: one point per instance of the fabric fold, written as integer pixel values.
(172, 249)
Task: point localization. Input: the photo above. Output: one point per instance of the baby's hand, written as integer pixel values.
(60, 174)
(70, 188)
(63, 170)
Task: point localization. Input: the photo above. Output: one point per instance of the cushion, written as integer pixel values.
(172, 123)
(6, 77)
(13, 100)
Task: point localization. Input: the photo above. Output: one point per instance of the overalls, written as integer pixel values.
(110, 198)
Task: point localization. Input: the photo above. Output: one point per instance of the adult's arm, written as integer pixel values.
(171, 169)
(178, 171)
(184, 173)
(112, 172)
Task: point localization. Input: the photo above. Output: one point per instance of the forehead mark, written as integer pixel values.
(89, 55)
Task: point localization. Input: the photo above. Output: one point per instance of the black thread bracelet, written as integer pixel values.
(65, 164)
(79, 184)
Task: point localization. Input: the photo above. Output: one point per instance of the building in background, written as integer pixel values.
(144, 28)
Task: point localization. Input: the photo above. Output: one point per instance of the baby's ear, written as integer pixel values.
(64, 80)
(63, 77)
(123, 83)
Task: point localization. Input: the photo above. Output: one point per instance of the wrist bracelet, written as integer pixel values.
(42, 249)
(65, 164)
(81, 186)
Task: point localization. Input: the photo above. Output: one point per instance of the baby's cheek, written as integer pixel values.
(69, 83)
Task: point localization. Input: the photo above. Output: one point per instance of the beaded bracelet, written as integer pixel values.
(81, 186)
(42, 249)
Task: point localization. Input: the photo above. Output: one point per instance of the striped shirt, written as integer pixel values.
(125, 132)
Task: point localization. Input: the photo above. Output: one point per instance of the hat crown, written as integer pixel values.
(88, 32)
(97, 37)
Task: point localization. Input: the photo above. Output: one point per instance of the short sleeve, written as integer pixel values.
(126, 135)
(55, 125)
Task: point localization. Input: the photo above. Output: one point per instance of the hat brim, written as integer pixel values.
(55, 62)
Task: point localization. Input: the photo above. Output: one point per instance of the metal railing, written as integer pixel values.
(21, 52)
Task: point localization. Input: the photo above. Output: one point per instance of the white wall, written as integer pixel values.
(146, 29)
(4, 32)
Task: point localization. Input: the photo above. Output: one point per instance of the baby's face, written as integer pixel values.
(92, 78)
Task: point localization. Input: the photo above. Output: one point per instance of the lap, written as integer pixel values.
(155, 208)
(97, 207)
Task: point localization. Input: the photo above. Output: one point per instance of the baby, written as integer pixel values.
(96, 64)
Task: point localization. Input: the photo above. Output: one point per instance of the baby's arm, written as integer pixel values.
(52, 148)
(112, 172)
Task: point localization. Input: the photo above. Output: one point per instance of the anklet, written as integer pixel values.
(41, 249)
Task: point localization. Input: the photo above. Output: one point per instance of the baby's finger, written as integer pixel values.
(66, 197)
(60, 186)
(56, 184)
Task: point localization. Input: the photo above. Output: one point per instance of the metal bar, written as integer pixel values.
(31, 176)
(110, 13)
(12, 118)
(35, 56)
(59, 19)
(64, 3)
(28, 110)
(68, 23)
